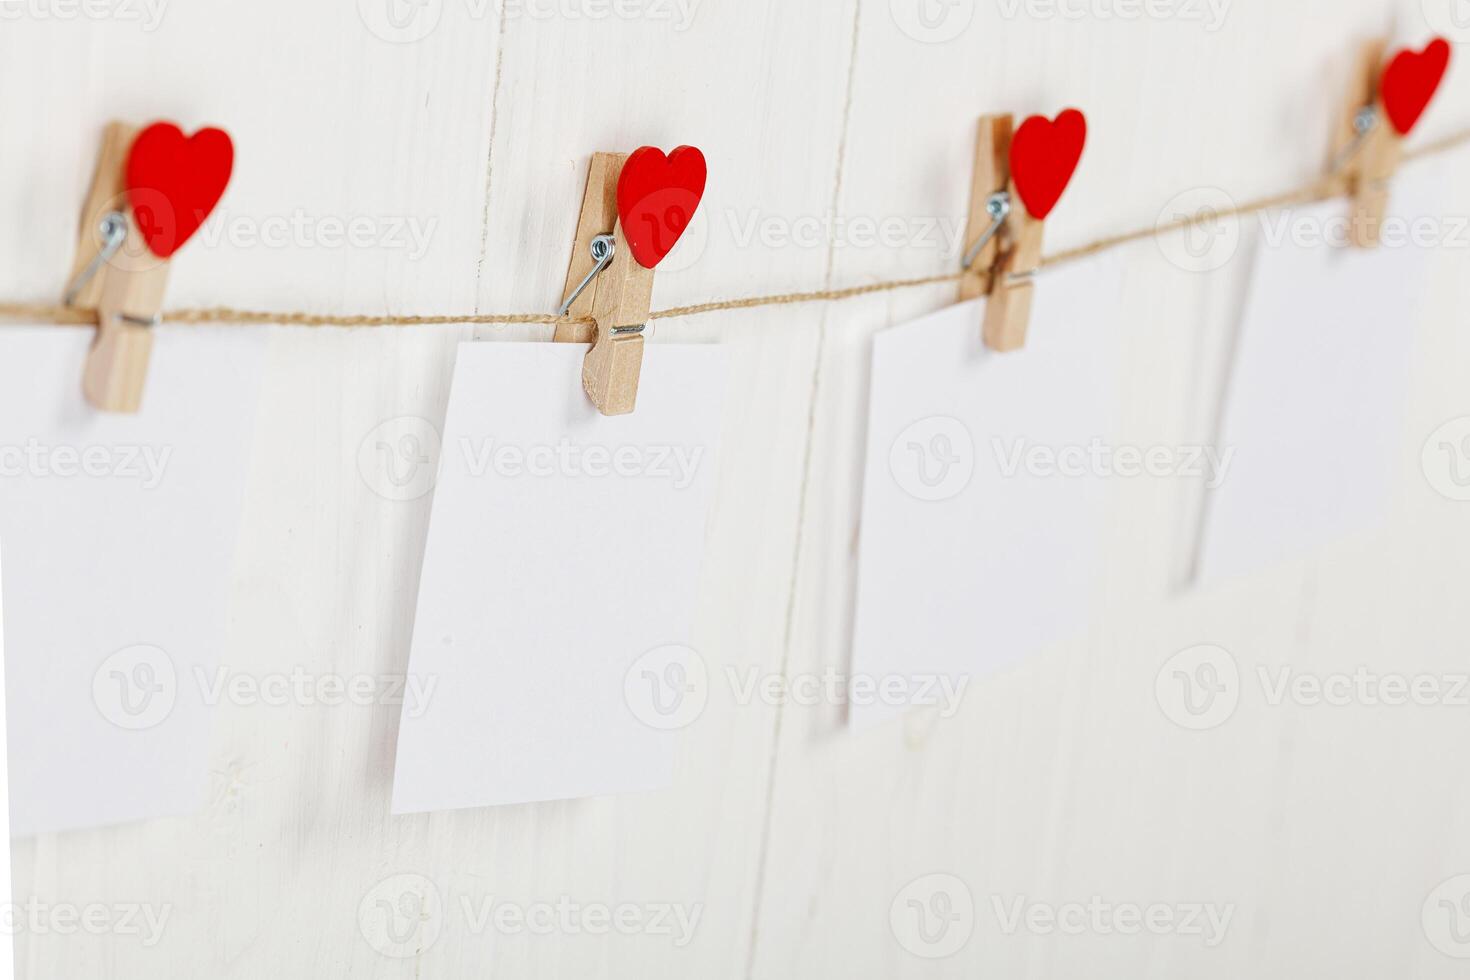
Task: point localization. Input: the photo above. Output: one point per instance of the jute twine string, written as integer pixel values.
(1319, 190)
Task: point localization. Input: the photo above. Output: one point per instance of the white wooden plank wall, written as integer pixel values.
(1324, 829)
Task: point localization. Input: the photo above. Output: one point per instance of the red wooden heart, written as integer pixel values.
(657, 197)
(1410, 81)
(174, 181)
(1044, 155)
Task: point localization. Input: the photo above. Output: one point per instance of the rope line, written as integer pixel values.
(1322, 189)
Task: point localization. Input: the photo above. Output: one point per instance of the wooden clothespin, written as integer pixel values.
(634, 209)
(151, 191)
(990, 202)
(1384, 103)
(1018, 179)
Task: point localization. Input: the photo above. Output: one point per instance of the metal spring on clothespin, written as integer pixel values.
(1363, 122)
(998, 207)
(603, 248)
(114, 231)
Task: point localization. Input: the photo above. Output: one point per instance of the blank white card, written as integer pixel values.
(1314, 412)
(117, 534)
(980, 541)
(563, 551)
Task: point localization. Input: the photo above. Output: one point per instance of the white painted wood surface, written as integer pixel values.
(1325, 828)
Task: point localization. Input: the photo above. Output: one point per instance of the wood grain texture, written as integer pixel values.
(839, 153)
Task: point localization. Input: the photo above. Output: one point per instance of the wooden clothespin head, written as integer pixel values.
(634, 209)
(1385, 102)
(1018, 179)
(151, 191)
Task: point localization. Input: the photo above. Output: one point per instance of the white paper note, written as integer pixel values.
(117, 533)
(1314, 410)
(562, 564)
(981, 510)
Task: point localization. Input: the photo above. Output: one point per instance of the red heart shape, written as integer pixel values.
(174, 181)
(657, 197)
(1044, 156)
(1410, 81)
